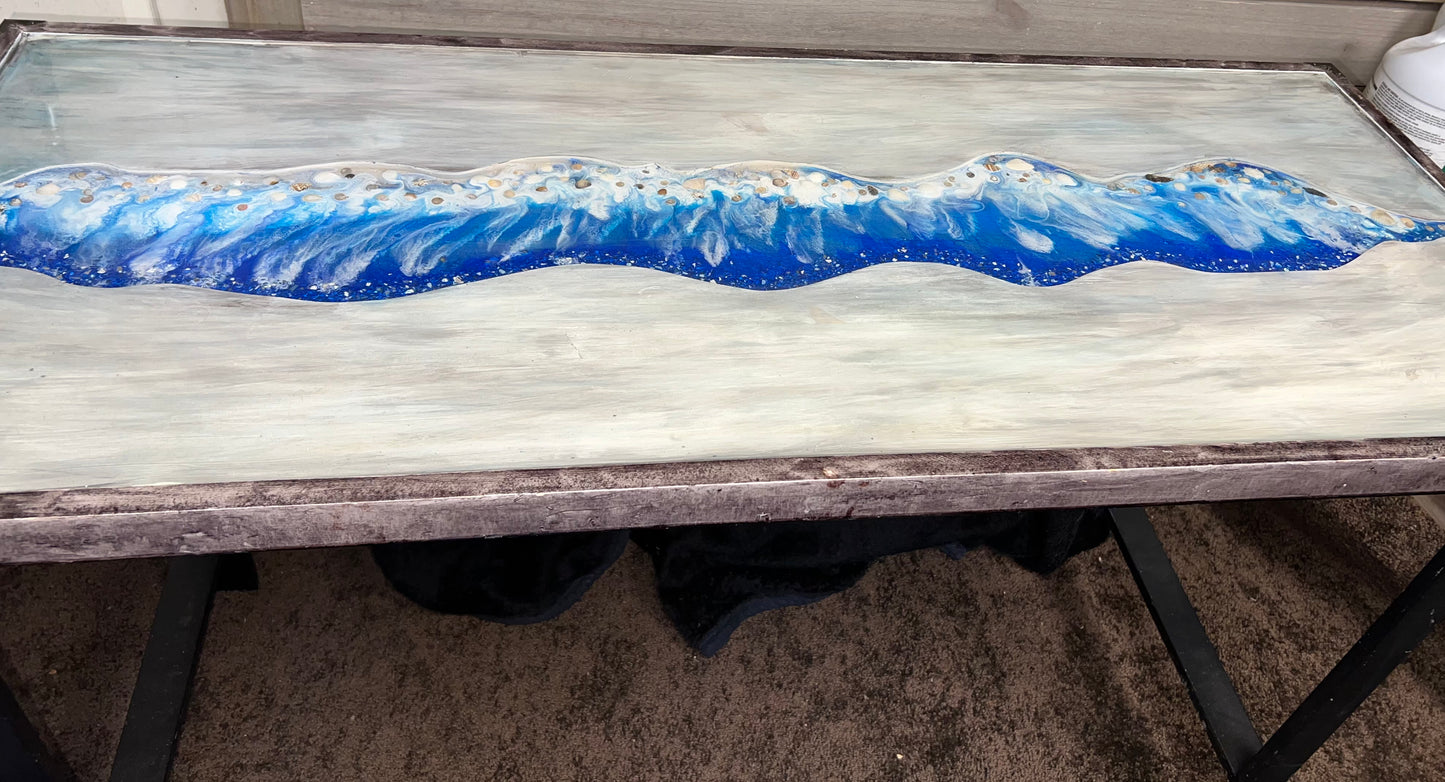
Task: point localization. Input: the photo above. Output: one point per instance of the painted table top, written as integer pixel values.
(226, 260)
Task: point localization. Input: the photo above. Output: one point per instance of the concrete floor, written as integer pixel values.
(930, 669)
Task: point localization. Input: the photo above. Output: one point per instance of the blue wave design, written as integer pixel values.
(345, 233)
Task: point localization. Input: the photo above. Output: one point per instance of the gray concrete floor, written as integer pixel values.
(930, 669)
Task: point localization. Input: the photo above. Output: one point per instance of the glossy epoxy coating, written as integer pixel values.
(593, 365)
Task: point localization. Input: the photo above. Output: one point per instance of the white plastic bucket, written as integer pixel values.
(1409, 88)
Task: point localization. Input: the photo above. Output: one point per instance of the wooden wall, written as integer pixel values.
(1350, 33)
(273, 14)
(168, 12)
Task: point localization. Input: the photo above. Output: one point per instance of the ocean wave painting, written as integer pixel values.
(362, 231)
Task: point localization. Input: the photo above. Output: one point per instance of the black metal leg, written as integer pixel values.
(236, 573)
(158, 704)
(1384, 646)
(1230, 729)
(23, 756)
(1387, 643)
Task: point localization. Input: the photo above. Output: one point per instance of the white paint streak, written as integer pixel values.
(1033, 240)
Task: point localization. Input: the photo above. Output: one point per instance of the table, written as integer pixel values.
(357, 370)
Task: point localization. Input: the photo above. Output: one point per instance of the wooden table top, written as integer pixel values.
(267, 290)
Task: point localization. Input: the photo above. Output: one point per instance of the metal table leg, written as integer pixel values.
(158, 703)
(1407, 622)
(1230, 729)
(23, 756)
(1383, 647)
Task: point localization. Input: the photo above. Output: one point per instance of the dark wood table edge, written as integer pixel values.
(13, 29)
(144, 521)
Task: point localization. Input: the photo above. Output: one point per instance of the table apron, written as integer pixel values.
(207, 530)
